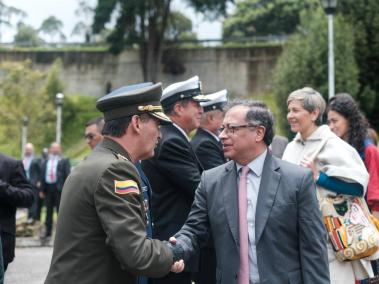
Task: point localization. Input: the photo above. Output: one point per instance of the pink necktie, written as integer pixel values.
(52, 170)
(243, 273)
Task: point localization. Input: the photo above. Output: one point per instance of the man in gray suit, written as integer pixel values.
(283, 235)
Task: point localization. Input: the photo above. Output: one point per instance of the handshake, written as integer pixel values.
(178, 253)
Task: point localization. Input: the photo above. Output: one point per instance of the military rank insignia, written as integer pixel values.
(125, 186)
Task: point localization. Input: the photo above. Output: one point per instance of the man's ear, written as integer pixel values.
(135, 123)
(261, 131)
(178, 108)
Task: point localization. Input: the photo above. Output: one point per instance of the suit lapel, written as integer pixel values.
(189, 146)
(217, 143)
(229, 183)
(266, 196)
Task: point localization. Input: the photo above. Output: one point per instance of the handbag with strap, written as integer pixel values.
(349, 224)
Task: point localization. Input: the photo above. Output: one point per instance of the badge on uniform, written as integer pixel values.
(125, 186)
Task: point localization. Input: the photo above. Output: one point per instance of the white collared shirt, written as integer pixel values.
(182, 131)
(211, 133)
(253, 182)
(51, 166)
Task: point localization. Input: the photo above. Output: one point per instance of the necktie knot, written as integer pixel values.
(244, 171)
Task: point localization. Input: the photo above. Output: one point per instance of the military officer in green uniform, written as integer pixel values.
(101, 229)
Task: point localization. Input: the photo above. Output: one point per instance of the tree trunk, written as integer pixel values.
(151, 52)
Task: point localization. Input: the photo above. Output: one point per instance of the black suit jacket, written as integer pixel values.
(63, 170)
(174, 174)
(208, 149)
(15, 191)
(35, 173)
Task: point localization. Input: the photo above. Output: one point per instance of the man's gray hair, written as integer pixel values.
(310, 100)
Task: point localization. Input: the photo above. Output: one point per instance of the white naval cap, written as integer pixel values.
(216, 101)
(190, 88)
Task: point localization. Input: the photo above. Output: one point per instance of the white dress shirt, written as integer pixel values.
(253, 183)
(182, 131)
(213, 135)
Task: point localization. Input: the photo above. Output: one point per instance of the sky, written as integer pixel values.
(64, 10)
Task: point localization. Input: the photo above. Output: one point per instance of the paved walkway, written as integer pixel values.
(30, 265)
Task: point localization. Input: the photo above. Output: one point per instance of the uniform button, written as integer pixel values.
(235, 276)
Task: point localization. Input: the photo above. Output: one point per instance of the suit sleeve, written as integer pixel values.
(209, 155)
(17, 191)
(312, 234)
(195, 231)
(122, 218)
(175, 162)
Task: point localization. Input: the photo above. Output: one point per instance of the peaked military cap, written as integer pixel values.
(190, 88)
(217, 100)
(131, 100)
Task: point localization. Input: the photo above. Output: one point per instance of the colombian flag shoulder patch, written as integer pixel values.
(125, 186)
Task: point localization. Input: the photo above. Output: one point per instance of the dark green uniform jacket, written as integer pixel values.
(101, 230)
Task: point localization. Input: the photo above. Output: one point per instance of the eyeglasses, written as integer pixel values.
(89, 136)
(232, 128)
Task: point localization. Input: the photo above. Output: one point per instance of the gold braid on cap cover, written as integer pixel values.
(150, 108)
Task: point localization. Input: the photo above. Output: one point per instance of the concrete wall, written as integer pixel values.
(242, 71)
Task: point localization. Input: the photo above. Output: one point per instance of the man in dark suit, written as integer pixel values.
(278, 145)
(208, 149)
(54, 172)
(15, 191)
(174, 171)
(206, 144)
(263, 212)
(33, 174)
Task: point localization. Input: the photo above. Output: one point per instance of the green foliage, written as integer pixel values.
(53, 84)
(52, 27)
(27, 36)
(23, 93)
(304, 59)
(144, 23)
(31, 93)
(364, 17)
(77, 110)
(7, 12)
(265, 17)
(179, 27)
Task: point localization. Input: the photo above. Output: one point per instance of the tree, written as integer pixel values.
(144, 22)
(304, 59)
(52, 27)
(23, 92)
(179, 27)
(83, 27)
(7, 12)
(266, 17)
(364, 17)
(27, 36)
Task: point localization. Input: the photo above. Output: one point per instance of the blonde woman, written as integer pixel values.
(337, 168)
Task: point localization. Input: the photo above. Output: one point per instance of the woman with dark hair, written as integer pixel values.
(347, 121)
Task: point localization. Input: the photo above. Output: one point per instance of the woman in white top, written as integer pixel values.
(336, 166)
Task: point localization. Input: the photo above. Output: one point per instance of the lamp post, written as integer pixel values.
(24, 133)
(59, 101)
(330, 8)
